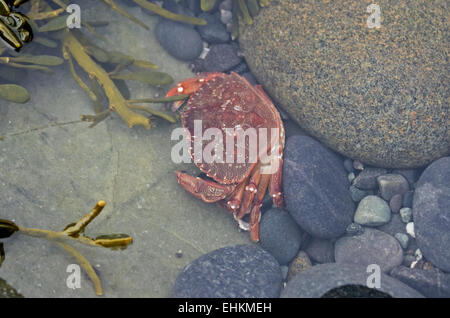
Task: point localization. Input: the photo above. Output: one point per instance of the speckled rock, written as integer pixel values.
(316, 188)
(431, 213)
(367, 179)
(244, 271)
(280, 235)
(298, 264)
(377, 95)
(318, 280)
(371, 247)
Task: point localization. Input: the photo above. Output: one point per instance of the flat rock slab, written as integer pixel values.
(316, 281)
(54, 168)
(376, 95)
(431, 213)
(242, 271)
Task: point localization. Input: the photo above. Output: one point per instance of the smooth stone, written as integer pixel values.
(358, 194)
(320, 279)
(358, 165)
(430, 283)
(367, 179)
(348, 165)
(214, 32)
(392, 184)
(316, 188)
(403, 239)
(412, 175)
(280, 235)
(396, 203)
(179, 40)
(351, 177)
(371, 247)
(320, 251)
(406, 215)
(372, 211)
(241, 271)
(300, 263)
(431, 213)
(221, 58)
(376, 95)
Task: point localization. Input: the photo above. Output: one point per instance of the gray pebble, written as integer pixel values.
(406, 215)
(358, 194)
(367, 179)
(392, 184)
(355, 229)
(348, 165)
(372, 211)
(403, 239)
(351, 177)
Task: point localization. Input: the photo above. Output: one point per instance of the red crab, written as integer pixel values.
(230, 103)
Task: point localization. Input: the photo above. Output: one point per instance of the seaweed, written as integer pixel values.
(50, 28)
(72, 232)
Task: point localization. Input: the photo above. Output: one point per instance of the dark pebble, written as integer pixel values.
(367, 179)
(320, 251)
(396, 203)
(214, 32)
(408, 199)
(316, 188)
(392, 184)
(320, 279)
(430, 283)
(280, 235)
(431, 213)
(241, 271)
(221, 58)
(179, 40)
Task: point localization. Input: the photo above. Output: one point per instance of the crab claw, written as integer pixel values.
(189, 86)
(208, 191)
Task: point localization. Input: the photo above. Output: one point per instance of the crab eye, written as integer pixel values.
(24, 35)
(19, 20)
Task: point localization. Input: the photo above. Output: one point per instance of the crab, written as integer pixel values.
(240, 173)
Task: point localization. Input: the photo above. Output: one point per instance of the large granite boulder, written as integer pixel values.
(374, 94)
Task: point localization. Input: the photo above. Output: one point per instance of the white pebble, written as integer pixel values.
(410, 229)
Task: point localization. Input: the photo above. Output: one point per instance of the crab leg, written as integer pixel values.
(250, 191)
(255, 213)
(233, 203)
(208, 191)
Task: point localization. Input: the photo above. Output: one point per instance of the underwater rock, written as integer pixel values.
(376, 95)
(240, 271)
(179, 39)
(316, 188)
(431, 213)
(371, 247)
(280, 235)
(316, 281)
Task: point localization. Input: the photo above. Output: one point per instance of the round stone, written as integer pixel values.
(280, 235)
(241, 271)
(371, 247)
(320, 279)
(315, 188)
(378, 95)
(372, 211)
(431, 213)
(179, 39)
